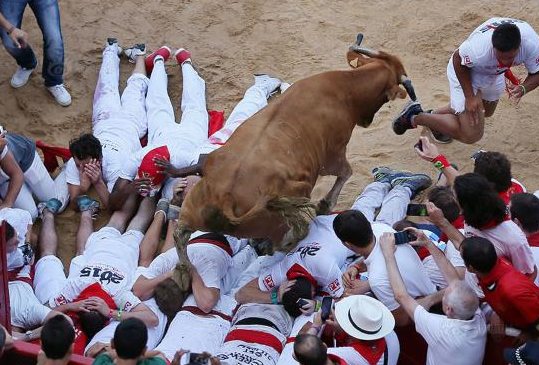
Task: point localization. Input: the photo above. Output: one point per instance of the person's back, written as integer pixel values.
(129, 343)
(57, 338)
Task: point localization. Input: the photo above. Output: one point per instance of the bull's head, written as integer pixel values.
(356, 58)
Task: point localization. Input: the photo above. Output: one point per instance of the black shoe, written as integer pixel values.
(402, 123)
(111, 41)
(440, 137)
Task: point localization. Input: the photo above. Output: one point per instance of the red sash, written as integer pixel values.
(213, 239)
(200, 312)
(261, 338)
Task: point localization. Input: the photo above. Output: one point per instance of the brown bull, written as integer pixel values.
(258, 185)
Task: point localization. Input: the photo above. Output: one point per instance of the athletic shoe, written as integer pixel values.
(386, 175)
(20, 77)
(402, 123)
(61, 95)
(86, 203)
(112, 41)
(162, 207)
(132, 53)
(52, 205)
(284, 86)
(270, 84)
(182, 55)
(414, 182)
(164, 52)
(173, 212)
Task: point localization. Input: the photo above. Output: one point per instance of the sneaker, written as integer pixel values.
(113, 42)
(162, 207)
(20, 77)
(61, 95)
(440, 137)
(386, 175)
(270, 84)
(284, 86)
(164, 52)
(86, 203)
(182, 55)
(132, 53)
(52, 205)
(414, 182)
(402, 123)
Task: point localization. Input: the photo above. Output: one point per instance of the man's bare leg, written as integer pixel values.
(86, 228)
(169, 239)
(119, 218)
(140, 68)
(150, 242)
(48, 239)
(141, 221)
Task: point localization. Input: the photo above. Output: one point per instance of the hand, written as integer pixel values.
(142, 186)
(515, 92)
(387, 243)
(178, 356)
(317, 319)
(435, 214)
(283, 288)
(165, 166)
(96, 349)
(81, 306)
(422, 239)
(430, 151)
(358, 287)
(99, 305)
(178, 188)
(349, 276)
(332, 322)
(85, 181)
(497, 328)
(309, 308)
(473, 106)
(93, 170)
(19, 37)
(41, 358)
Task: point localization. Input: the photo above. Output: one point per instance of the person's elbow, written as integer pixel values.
(151, 319)
(207, 305)
(401, 297)
(141, 293)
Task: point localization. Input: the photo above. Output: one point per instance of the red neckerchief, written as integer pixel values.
(492, 223)
(533, 240)
(94, 290)
(499, 270)
(337, 360)
(458, 223)
(372, 350)
(513, 189)
(297, 271)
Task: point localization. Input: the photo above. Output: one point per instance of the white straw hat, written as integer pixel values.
(364, 318)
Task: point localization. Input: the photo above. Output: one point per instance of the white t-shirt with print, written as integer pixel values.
(321, 254)
(477, 52)
(413, 273)
(19, 219)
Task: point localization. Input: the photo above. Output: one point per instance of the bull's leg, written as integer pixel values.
(182, 274)
(326, 205)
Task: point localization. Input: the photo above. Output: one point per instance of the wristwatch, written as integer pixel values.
(28, 335)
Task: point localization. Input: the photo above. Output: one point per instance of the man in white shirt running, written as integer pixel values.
(476, 80)
(458, 337)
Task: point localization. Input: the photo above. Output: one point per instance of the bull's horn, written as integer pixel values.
(366, 51)
(407, 83)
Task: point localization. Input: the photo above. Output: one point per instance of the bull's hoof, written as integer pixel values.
(182, 276)
(323, 207)
(262, 246)
(169, 297)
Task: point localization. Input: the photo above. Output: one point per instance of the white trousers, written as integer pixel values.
(39, 183)
(392, 202)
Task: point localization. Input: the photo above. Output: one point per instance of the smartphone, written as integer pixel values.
(419, 145)
(404, 237)
(417, 210)
(197, 359)
(327, 303)
(476, 155)
(301, 302)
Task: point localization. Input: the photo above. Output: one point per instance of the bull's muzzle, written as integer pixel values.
(407, 83)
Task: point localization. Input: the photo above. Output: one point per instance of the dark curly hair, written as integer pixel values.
(85, 146)
(496, 168)
(479, 201)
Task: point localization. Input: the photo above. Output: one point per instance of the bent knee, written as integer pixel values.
(471, 137)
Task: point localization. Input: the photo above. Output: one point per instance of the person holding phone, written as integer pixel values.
(16, 43)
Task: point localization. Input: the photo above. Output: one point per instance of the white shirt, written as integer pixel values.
(352, 357)
(452, 341)
(510, 243)
(413, 273)
(19, 219)
(477, 51)
(321, 254)
(433, 270)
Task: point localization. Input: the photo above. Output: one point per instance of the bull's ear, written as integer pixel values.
(355, 59)
(396, 92)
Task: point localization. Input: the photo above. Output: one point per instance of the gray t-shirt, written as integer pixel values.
(22, 148)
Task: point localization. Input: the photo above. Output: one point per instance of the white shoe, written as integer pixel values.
(270, 84)
(60, 94)
(284, 86)
(20, 77)
(132, 53)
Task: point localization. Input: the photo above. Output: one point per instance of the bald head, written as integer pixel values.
(310, 350)
(460, 301)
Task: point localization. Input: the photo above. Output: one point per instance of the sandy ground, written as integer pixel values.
(231, 40)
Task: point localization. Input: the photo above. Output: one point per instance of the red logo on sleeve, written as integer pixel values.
(467, 61)
(268, 281)
(334, 286)
(60, 300)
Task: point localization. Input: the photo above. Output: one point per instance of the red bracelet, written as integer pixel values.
(441, 162)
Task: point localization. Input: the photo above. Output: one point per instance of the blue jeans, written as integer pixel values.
(48, 19)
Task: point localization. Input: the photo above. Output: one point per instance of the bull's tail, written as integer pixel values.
(296, 212)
